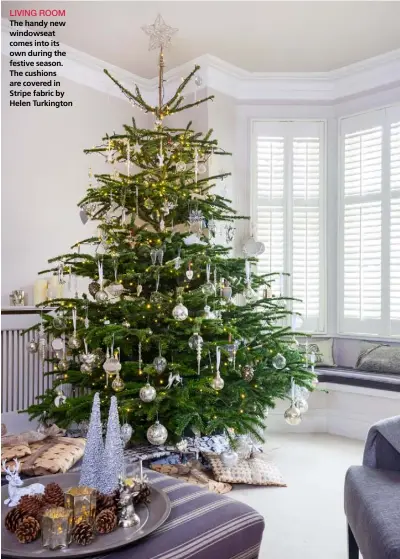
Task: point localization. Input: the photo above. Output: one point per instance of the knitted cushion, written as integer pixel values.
(379, 358)
(255, 471)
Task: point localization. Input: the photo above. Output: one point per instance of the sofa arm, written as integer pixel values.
(382, 448)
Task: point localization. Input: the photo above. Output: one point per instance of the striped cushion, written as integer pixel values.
(201, 525)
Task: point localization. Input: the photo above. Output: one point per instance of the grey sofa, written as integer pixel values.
(372, 495)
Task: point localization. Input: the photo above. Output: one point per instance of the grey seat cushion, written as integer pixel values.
(372, 506)
(352, 377)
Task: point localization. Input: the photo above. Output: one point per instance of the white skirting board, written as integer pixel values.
(343, 410)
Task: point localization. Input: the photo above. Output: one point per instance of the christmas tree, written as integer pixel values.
(172, 323)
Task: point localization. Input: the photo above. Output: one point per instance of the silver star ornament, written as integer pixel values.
(160, 34)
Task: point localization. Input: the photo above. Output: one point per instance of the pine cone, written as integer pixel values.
(32, 505)
(12, 519)
(28, 530)
(104, 502)
(143, 496)
(82, 533)
(54, 495)
(106, 521)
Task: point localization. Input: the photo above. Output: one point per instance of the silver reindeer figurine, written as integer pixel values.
(126, 510)
(15, 489)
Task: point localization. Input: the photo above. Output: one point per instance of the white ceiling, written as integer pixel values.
(257, 36)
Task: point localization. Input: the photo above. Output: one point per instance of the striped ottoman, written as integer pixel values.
(201, 525)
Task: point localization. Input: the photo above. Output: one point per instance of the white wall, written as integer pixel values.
(45, 174)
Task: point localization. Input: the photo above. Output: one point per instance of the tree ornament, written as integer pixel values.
(82, 533)
(195, 341)
(208, 313)
(106, 522)
(113, 465)
(126, 432)
(279, 361)
(42, 344)
(218, 382)
(247, 373)
(126, 324)
(208, 289)
(180, 166)
(60, 399)
(301, 405)
(148, 204)
(93, 287)
(74, 342)
(196, 219)
(156, 298)
(28, 530)
(198, 80)
(153, 256)
(147, 393)
(157, 434)
(201, 168)
(118, 384)
(101, 295)
(111, 365)
(226, 290)
(59, 322)
(32, 346)
(292, 415)
(100, 357)
(160, 34)
(115, 289)
(160, 363)
(54, 494)
(85, 368)
(180, 312)
(189, 272)
(229, 458)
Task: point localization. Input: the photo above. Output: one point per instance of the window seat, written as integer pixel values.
(354, 377)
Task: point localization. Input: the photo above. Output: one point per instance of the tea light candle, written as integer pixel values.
(39, 291)
(56, 289)
(56, 527)
(82, 502)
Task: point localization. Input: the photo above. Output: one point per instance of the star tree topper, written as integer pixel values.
(160, 34)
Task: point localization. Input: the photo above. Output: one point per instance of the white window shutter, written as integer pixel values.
(395, 227)
(287, 202)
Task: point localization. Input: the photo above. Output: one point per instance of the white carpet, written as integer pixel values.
(304, 520)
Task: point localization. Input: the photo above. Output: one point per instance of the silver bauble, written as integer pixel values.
(94, 286)
(157, 434)
(118, 384)
(217, 383)
(247, 373)
(115, 289)
(32, 346)
(226, 292)
(74, 342)
(208, 289)
(195, 341)
(59, 323)
(88, 358)
(156, 298)
(147, 393)
(201, 168)
(292, 415)
(126, 432)
(63, 365)
(180, 312)
(160, 364)
(198, 80)
(181, 166)
(279, 361)
(100, 356)
(86, 368)
(301, 405)
(101, 296)
(112, 365)
(60, 399)
(229, 458)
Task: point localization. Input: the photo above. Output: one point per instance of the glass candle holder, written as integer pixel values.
(56, 527)
(82, 502)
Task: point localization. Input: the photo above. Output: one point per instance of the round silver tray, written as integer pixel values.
(151, 517)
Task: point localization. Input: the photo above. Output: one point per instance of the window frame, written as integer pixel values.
(288, 204)
(347, 124)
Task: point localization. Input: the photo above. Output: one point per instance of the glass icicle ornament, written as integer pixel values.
(279, 361)
(292, 415)
(160, 363)
(42, 342)
(178, 260)
(208, 289)
(147, 393)
(74, 342)
(180, 312)
(153, 256)
(249, 294)
(156, 296)
(196, 343)
(157, 434)
(218, 382)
